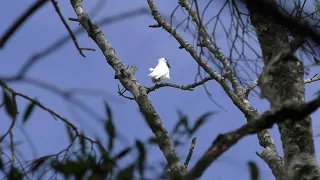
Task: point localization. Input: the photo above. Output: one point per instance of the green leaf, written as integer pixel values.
(10, 104)
(316, 61)
(108, 111)
(109, 126)
(15, 174)
(254, 171)
(107, 164)
(111, 132)
(83, 143)
(1, 164)
(28, 112)
(141, 158)
(122, 153)
(126, 174)
(71, 168)
(183, 122)
(203, 119)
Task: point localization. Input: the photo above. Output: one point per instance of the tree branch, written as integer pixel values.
(223, 142)
(192, 146)
(129, 82)
(64, 39)
(207, 42)
(189, 87)
(11, 30)
(255, 83)
(67, 122)
(265, 140)
(73, 37)
(300, 26)
(189, 48)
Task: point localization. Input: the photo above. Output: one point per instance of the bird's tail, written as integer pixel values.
(152, 75)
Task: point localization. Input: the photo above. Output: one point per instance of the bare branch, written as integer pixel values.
(192, 146)
(223, 142)
(207, 42)
(250, 88)
(11, 30)
(265, 140)
(39, 105)
(215, 75)
(73, 37)
(129, 82)
(122, 91)
(189, 87)
(313, 79)
(255, 83)
(301, 26)
(30, 62)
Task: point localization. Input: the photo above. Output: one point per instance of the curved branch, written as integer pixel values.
(223, 142)
(189, 87)
(10, 31)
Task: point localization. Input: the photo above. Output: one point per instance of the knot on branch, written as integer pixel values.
(130, 71)
(86, 23)
(303, 166)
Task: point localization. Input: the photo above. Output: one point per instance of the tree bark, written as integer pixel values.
(286, 81)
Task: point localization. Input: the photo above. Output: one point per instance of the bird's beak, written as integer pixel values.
(168, 65)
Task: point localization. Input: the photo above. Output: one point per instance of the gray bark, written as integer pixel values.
(284, 82)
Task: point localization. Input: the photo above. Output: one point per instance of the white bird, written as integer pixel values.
(161, 71)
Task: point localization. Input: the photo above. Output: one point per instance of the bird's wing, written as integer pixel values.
(167, 76)
(161, 71)
(151, 69)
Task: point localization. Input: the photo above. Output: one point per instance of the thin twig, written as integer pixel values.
(207, 42)
(12, 149)
(12, 29)
(301, 26)
(189, 87)
(41, 106)
(255, 83)
(73, 37)
(192, 146)
(9, 130)
(122, 91)
(313, 79)
(31, 61)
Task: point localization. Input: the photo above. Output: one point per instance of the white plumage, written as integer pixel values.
(160, 72)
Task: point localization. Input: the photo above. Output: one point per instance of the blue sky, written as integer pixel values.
(135, 44)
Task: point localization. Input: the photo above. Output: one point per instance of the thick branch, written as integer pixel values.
(300, 26)
(239, 100)
(223, 142)
(129, 82)
(282, 79)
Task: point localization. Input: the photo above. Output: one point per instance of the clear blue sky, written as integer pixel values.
(136, 44)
